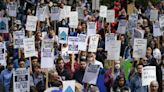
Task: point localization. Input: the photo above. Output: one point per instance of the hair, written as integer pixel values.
(116, 83)
(125, 89)
(59, 59)
(34, 57)
(21, 59)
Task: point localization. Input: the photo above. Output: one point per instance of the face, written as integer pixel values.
(21, 64)
(154, 87)
(34, 61)
(61, 64)
(37, 70)
(1, 38)
(144, 61)
(149, 51)
(121, 82)
(83, 65)
(139, 69)
(10, 67)
(90, 57)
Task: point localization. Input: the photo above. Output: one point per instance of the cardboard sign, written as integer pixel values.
(148, 75)
(91, 74)
(12, 9)
(29, 47)
(63, 35)
(153, 15)
(82, 42)
(95, 4)
(2, 54)
(73, 44)
(156, 29)
(93, 43)
(139, 48)
(103, 11)
(55, 13)
(109, 37)
(161, 22)
(122, 27)
(21, 80)
(48, 43)
(110, 16)
(31, 23)
(91, 28)
(69, 86)
(18, 39)
(80, 12)
(73, 20)
(47, 58)
(4, 27)
(114, 50)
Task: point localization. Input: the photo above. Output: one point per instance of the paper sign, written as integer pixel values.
(62, 14)
(69, 86)
(31, 23)
(67, 10)
(12, 9)
(139, 48)
(73, 20)
(95, 4)
(48, 43)
(72, 44)
(153, 15)
(156, 29)
(161, 22)
(2, 54)
(103, 11)
(148, 75)
(4, 27)
(53, 89)
(137, 33)
(18, 39)
(132, 22)
(55, 13)
(82, 42)
(93, 43)
(130, 8)
(47, 58)
(29, 47)
(114, 50)
(122, 27)
(110, 16)
(21, 80)
(41, 13)
(91, 74)
(109, 37)
(80, 12)
(63, 35)
(91, 28)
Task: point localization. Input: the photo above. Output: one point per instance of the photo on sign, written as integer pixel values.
(18, 41)
(73, 47)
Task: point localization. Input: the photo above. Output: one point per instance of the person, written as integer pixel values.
(154, 86)
(125, 89)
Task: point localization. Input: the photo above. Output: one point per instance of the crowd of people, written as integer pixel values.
(111, 77)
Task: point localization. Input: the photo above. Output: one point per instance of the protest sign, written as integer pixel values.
(122, 27)
(80, 12)
(114, 50)
(93, 43)
(103, 11)
(148, 75)
(161, 22)
(95, 4)
(21, 80)
(48, 43)
(137, 33)
(110, 16)
(2, 54)
(69, 86)
(73, 20)
(31, 23)
(63, 35)
(53, 89)
(82, 42)
(67, 10)
(18, 39)
(12, 9)
(4, 27)
(72, 44)
(153, 15)
(132, 22)
(47, 58)
(29, 47)
(42, 13)
(156, 29)
(55, 13)
(91, 74)
(91, 28)
(62, 14)
(130, 8)
(109, 37)
(139, 48)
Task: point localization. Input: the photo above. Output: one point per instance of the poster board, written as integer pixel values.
(2, 54)
(68, 86)
(72, 45)
(109, 37)
(18, 39)
(91, 28)
(73, 19)
(110, 16)
(103, 11)
(93, 43)
(31, 23)
(4, 26)
(63, 35)
(55, 13)
(122, 27)
(82, 42)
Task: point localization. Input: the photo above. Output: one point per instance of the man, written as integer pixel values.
(136, 81)
(125, 89)
(154, 86)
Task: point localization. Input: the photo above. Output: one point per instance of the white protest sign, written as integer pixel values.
(153, 15)
(91, 74)
(47, 58)
(82, 42)
(148, 75)
(139, 48)
(109, 37)
(53, 89)
(48, 43)
(114, 50)
(41, 13)
(72, 44)
(122, 27)
(132, 22)
(68, 86)
(18, 39)
(138, 33)
(29, 47)
(31, 23)
(62, 14)
(12, 9)
(93, 43)
(80, 12)
(67, 10)
(110, 16)
(91, 28)
(103, 11)
(2, 54)
(55, 13)
(95, 4)
(63, 35)
(21, 80)
(156, 29)
(73, 20)
(4, 27)
(161, 22)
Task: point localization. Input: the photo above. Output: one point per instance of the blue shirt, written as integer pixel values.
(16, 65)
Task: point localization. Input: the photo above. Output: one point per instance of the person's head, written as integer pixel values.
(38, 36)
(72, 57)
(157, 54)
(149, 52)
(60, 64)
(139, 68)
(154, 86)
(1, 38)
(121, 80)
(9, 65)
(125, 89)
(122, 38)
(83, 64)
(144, 60)
(37, 68)
(21, 62)
(83, 25)
(34, 60)
(117, 64)
(51, 32)
(91, 57)
(94, 89)
(53, 75)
